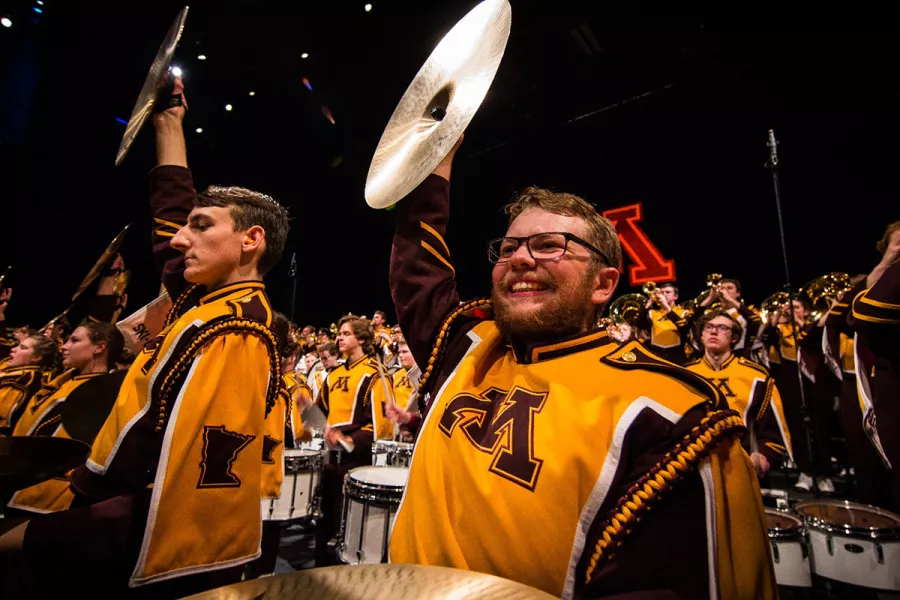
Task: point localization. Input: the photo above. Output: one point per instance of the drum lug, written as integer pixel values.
(776, 557)
(829, 545)
(880, 553)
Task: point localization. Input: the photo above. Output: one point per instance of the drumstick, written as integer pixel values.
(388, 397)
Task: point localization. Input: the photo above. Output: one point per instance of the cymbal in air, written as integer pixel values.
(439, 103)
(105, 258)
(147, 98)
(378, 582)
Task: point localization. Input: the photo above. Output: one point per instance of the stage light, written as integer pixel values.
(40, 3)
(368, 8)
(307, 83)
(304, 55)
(176, 71)
(252, 93)
(201, 57)
(228, 107)
(122, 121)
(199, 130)
(38, 10)
(6, 22)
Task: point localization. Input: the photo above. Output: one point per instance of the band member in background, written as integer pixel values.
(875, 316)
(778, 337)
(869, 470)
(327, 360)
(90, 352)
(182, 446)
(406, 382)
(512, 375)
(352, 398)
(666, 324)
(22, 378)
(728, 293)
(7, 341)
(748, 388)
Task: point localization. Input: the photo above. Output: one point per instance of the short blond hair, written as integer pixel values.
(600, 230)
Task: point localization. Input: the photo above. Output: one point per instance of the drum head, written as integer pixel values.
(848, 514)
(300, 452)
(380, 476)
(777, 519)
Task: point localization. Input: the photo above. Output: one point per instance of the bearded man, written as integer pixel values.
(545, 445)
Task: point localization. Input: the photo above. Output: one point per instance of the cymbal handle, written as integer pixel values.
(165, 98)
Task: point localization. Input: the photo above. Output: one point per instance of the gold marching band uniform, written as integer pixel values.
(184, 441)
(17, 386)
(617, 428)
(750, 390)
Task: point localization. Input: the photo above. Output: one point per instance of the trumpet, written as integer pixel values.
(779, 301)
(649, 288)
(821, 293)
(713, 281)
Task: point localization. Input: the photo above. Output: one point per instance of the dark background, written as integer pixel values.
(693, 151)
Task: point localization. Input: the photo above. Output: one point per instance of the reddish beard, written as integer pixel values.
(568, 311)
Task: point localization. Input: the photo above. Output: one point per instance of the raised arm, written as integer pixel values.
(171, 193)
(422, 276)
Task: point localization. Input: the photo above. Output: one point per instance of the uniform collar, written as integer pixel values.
(559, 347)
(232, 288)
(361, 360)
(20, 370)
(723, 366)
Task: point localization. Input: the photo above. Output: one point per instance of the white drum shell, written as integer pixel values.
(299, 489)
(387, 453)
(876, 566)
(369, 511)
(791, 562)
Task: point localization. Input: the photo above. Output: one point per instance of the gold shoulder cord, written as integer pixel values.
(443, 334)
(649, 489)
(206, 335)
(175, 311)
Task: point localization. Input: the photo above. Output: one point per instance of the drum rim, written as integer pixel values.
(393, 444)
(785, 533)
(372, 491)
(875, 533)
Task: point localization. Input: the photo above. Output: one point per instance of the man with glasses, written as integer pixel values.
(544, 445)
(748, 388)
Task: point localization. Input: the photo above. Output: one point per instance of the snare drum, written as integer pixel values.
(387, 453)
(300, 488)
(371, 499)
(789, 551)
(853, 543)
(317, 442)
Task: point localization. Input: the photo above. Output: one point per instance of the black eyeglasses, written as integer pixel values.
(716, 327)
(541, 246)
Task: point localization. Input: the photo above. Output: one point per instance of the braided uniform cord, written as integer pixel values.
(647, 491)
(175, 311)
(441, 342)
(208, 333)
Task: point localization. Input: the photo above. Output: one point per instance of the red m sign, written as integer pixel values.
(649, 263)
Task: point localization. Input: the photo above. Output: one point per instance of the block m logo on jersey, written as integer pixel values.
(340, 383)
(500, 423)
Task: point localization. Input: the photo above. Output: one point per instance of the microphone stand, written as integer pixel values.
(773, 166)
(293, 275)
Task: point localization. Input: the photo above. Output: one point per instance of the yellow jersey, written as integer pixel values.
(750, 390)
(403, 389)
(17, 385)
(352, 398)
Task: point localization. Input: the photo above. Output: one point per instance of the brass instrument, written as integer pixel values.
(628, 308)
(777, 301)
(649, 288)
(713, 281)
(821, 293)
(333, 328)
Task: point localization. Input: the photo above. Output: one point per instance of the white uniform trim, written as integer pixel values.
(605, 480)
(101, 469)
(711, 527)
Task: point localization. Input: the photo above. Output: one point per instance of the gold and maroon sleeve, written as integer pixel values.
(422, 276)
(771, 434)
(880, 304)
(171, 199)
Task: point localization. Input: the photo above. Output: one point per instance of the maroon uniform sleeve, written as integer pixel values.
(171, 199)
(680, 516)
(422, 277)
(875, 315)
